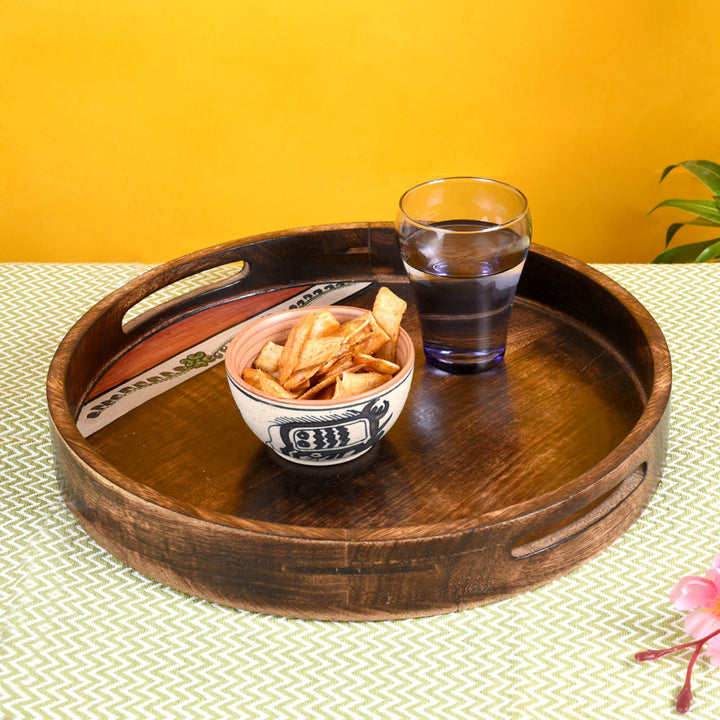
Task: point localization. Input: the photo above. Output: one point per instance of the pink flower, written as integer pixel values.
(702, 596)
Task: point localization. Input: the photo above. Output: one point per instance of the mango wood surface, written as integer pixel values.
(488, 485)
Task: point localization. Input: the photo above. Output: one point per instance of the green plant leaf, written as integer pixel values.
(709, 253)
(704, 170)
(676, 226)
(671, 232)
(705, 209)
(689, 253)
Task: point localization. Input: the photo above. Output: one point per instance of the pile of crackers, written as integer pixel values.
(324, 359)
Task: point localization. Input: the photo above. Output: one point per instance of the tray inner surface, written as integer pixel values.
(464, 445)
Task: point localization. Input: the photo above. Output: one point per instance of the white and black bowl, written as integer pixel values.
(315, 432)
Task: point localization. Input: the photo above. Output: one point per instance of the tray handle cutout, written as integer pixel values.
(211, 280)
(578, 522)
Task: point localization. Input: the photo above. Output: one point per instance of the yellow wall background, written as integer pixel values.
(139, 130)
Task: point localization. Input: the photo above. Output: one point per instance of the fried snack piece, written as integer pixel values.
(327, 383)
(388, 310)
(354, 383)
(299, 381)
(371, 363)
(375, 337)
(310, 326)
(318, 351)
(265, 382)
(324, 323)
(268, 358)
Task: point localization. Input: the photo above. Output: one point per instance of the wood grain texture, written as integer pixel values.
(488, 485)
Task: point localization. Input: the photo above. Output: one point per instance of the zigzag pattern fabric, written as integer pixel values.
(84, 637)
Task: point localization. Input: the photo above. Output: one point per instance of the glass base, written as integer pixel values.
(464, 362)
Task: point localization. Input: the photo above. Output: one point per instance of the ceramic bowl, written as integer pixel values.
(315, 432)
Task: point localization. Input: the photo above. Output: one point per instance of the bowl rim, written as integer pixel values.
(234, 374)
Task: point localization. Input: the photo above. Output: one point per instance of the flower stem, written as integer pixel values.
(684, 698)
(655, 654)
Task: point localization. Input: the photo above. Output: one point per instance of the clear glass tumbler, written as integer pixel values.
(464, 241)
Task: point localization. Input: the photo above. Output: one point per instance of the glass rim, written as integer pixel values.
(437, 181)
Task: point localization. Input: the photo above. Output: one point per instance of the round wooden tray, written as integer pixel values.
(487, 486)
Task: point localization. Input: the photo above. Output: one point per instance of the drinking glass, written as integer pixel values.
(463, 242)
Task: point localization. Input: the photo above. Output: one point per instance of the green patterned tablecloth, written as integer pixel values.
(85, 637)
